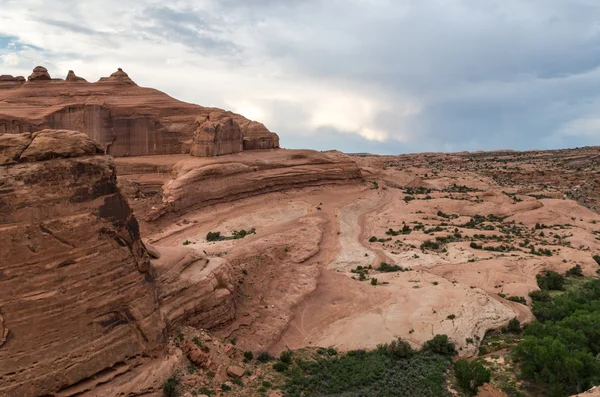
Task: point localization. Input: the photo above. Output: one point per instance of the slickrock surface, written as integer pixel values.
(126, 119)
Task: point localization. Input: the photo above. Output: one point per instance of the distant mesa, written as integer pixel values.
(128, 120)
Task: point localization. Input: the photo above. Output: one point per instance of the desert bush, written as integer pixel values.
(280, 366)
(264, 357)
(514, 326)
(286, 356)
(470, 376)
(248, 355)
(213, 236)
(386, 267)
(597, 259)
(396, 349)
(575, 271)
(440, 344)
(430, 245)
(550, 281)
(518, 299)
(540, 296)
(170, 387)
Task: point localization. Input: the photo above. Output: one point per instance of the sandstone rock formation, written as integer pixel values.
(216, 138)
(187, 183)
(39, 73)
(81, 301)
(119, 77)
(77, 287)
(126, 119)
(71, 76)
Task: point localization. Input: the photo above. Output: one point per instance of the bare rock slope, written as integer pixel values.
(128, 120)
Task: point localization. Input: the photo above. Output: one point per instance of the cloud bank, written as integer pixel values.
(381, 76)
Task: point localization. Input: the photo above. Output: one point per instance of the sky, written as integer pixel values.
(377, 76)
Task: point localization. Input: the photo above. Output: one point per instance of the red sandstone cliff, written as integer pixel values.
(81, 300)
(128, 120)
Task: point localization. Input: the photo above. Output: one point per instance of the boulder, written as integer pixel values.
(235, 372)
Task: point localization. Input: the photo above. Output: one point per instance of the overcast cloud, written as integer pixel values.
(381, 76)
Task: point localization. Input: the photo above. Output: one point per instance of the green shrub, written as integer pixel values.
(597, 259)
(518, 299)
(430, 245)
(280, 366)
(540, 296)
(187, 242)
(213, 236)
(373, 281)
(470, 376)
(575, 271)
(373, 239)
(550, 281)
(264, 357)
(396, 349)
(248, 355)
(440, 344)
(387, 268)
(225, 387)
(476, 246)
(170, 387)
(514, 326)
(286, 356)
(451, 316)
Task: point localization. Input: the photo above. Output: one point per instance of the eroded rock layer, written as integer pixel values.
(187, 183)
(78, 292)
(126, 119)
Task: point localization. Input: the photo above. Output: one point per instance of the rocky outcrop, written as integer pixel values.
(8, 82)
(216, 138)
(118, 77)
(78, 290)
(126, 119)
(71, 76)
(193, 289)
(39, 73)
(81, 301)
(194, 183)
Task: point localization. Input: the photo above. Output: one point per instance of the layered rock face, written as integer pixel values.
(216, 138)
(78, 292)
(81, 301)
(188, 183)
(126, 119)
